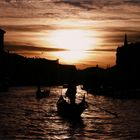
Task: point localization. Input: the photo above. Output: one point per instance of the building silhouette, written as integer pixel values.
(2, 32)
(128, 64)
(125, 40)
(128, 55)
(16, 69)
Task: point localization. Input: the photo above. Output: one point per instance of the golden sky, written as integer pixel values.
(80, 32)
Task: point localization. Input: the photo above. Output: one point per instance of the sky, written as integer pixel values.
(80, 32)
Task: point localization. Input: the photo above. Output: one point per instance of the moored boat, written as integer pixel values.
(42, 93)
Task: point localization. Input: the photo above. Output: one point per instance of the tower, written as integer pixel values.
(125, 41)
(2, 32)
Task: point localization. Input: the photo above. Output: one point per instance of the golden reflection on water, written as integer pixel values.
(39, 119)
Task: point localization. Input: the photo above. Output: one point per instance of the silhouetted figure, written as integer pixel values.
(71, 92)
(71, 110)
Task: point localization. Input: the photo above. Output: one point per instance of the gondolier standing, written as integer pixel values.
(71, 110)
(71, 92)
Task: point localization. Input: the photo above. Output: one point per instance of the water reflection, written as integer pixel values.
(24, 117)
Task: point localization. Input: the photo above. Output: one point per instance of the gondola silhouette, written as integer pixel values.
(71, 110)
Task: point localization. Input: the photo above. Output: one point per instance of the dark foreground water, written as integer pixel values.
(24, 117)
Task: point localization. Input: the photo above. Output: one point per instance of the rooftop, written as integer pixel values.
(2, 31)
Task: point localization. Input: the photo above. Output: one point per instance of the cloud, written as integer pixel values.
(27, 47)
(81, 4)
(67, 8)
(28, 28)
(132, 1)
(94, 4)
(8, 1)
(102, 50)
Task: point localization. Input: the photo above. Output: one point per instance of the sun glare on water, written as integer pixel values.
(74, 42)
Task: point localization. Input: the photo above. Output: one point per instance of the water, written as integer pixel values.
(24, 117)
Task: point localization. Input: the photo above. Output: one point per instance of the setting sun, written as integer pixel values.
(71, 39)
(70, 57)
(75, 42)
(72, 67)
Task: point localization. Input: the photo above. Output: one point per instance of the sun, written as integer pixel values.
(70, 57)
(71, 39)
(73, 44)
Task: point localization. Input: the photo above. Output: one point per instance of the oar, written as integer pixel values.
(108, 111)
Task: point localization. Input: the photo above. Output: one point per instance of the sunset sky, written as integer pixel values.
(80, 32)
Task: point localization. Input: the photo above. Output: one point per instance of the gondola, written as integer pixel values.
(42, 93)
(71, 111)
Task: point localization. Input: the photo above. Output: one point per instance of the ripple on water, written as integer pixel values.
(24, 117)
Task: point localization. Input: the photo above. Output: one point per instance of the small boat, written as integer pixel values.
(42, 93)
(72, 111)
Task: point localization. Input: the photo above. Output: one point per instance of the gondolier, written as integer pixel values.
(71, 110)
(71, 92)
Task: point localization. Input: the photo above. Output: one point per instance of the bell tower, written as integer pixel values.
(125, 41)
(2, 32)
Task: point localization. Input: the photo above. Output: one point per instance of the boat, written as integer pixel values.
(42, 93)
(68, 110)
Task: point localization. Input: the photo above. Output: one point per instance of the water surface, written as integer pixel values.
(22, 116)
